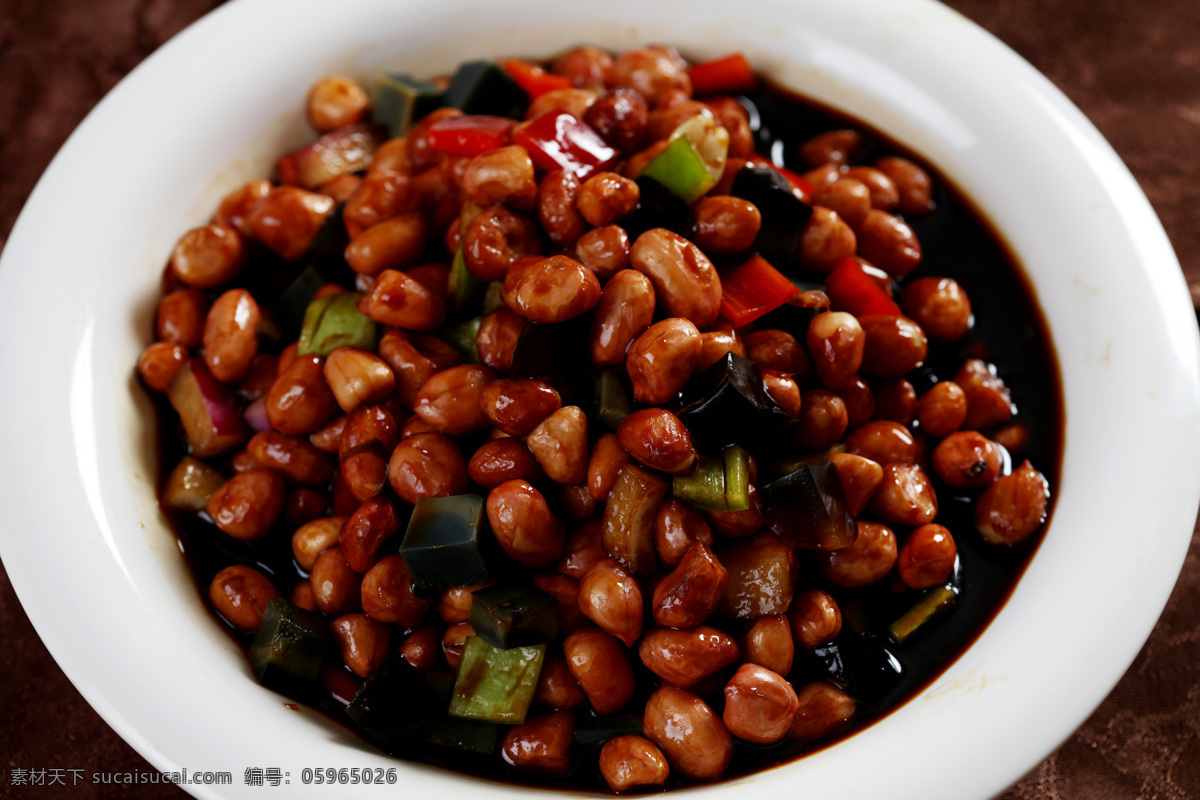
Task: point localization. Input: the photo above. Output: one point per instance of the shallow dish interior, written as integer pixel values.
(100, 574)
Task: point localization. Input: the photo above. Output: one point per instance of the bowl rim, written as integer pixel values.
(170, 70)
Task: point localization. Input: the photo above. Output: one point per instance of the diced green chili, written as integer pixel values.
(496, 685)
(514, 616)
(463, 337)
(401, 100)
(719, 483)
(445, 542)
(925, 609)
(334, 321)
(693, 160)
(289, 647)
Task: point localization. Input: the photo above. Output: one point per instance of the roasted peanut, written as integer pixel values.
(823, 709)
(611, 598)
(621, 117)
(693, 737)
(557, 687)
(585, 66)
(778, 350)
(494, 239)
(815, 617)
(336, 586)
(629, 761)
(288, 219)
(826, 241)
(760, 705)
(542, 744)
(427, 465)
(939, 306)
(895, 346)
(658, 439)
(336, 101)
(913, 187)
(849, 198)
(837, 147)
(1012, 508)
(942, 409)
(160, 363)
(606, 461)
(896, 400)
(382, 195)
(503, 460)
(836, 343)
(605, 251)
(180, 317)
(234, 210)
(859, 401)
(762, 578)
(822, 420)
(689, 593)
(988, 400)
(292, 457)
(524, 524)
(884, 194)
(683, 658)
(518, 406)
(230, 335)
(450, 401)
(559, 443)
(784, 391)
(927, 558)
(556, 290)
(904, 497)
(625, 310)
(888, 243)
(399, 300)
(652, 71)
(607, 197)
(240, 595)
(565, 592)
(582, 552)
(363, 642)
(387, 593)
(358, 377)
(859, 476)
(454, 641)
(662, 358)
(715, 344)
(966, 460)
(598, 662)
(769, 644)
(686, 283)
(884, 442)
(575, 102)
(366, 531)
(423, 648)
(497, 338)
(208, 257)
(503, 175)
(247, 506)
(560, 219)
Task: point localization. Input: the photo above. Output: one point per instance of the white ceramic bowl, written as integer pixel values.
(101, 576)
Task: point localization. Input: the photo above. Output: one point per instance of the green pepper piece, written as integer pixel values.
(464, 734)
(484, 87)
(703, 488)
(613, 400)
(925, 609)
(493, 297)
(394, 702)
(289, 647)
(445, 543)
(334, 321)
(514, 616)
(693, 160)
(737, 477)
(496, 685)
(400, 100)
(463, 337)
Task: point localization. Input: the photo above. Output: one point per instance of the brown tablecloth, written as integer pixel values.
(1134, 69)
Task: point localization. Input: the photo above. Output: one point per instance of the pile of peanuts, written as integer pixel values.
(355, 436)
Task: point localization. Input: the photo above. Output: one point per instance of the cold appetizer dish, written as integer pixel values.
(613, 422)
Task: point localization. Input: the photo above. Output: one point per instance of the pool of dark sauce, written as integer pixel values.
(1009, 331)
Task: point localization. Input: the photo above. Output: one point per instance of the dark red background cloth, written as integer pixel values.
(1134, 69)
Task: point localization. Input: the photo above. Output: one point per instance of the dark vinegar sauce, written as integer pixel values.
(1008, 331)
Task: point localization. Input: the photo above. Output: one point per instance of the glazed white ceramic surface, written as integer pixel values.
(102, 578)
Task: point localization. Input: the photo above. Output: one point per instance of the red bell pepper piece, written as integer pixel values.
(469, 135)
(851, 289)
(729, 74)
(753, 289)
(533, 79)
(558, 140)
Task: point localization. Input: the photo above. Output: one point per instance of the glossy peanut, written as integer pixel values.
(849, 198)
(247, 506)
(905, 496)
(939, 306)
(450, 401)
(427, 465)
(604, 250)
(382, 195)
(859, 400)
(363, 642)
(503, 460)
(557, 688)
(497, 338)
(335, 101)
(821, 422)
(686, 283)
(762, 578)
(769, 644)
(366, 531)
(888, 243)
(1014, 507)
(180, 317)
(294, 458)
(625, 310)
(288, 219)
(230, 335)
(942, 409)
(884, 442)
(240, 594)
(914, 189)
(737, 524)
(657, 439)
(859, 476)
(555, 290)
(836, 147)
(610, 597)
(662, 358)
(895, 346)
(966, 460)
(560, 445)
(401, 301)
(689, 593)
(676, 528)
(836, 343)
(726, 224)
(524, 525)
(518, 406)
(694, 738)
(423, 648)
(651, 71)
(387, 593)
(300, 401)
(927, 557)
(208, 257)
(335, 584)
(358, 377)
(160, 362)
(454, 641)
(774, 349)
(235, 207)
(630, 761)
(823, 709)
(989, 402)
(560, 219)
(826, 241)
(503, 175)
(599, 664)
(621, 117)
(494, 239)
(542, 744)
(760, 705)
(683, 658)
(815, 617)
